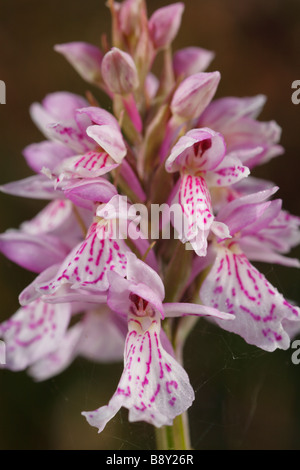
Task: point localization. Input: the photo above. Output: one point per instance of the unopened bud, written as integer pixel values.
(194, 94)
(119, 72)
(129, 16)
(164, 24)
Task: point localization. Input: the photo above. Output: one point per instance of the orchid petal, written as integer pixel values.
(35, 187)
(182, 309)
(235, 286)
(70, 136)
(90, 261)
(222, 112)
(103, 336)
(46, 154)
(58, 360)
(110, 139)
(34, 331)
(201, 149)
(85, 58)
(256, 249)
(121, 291)
(230, 171)
(250, 199)
(90, 165)
(84, 193)
(153, 386)
(195, 202)
(32, 252)
(191, 60)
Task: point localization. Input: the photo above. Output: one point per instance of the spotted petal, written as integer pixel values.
(34, 331)
(100, 337)
(235, 286)
(153, 386)
(194, 200)
(90, 261)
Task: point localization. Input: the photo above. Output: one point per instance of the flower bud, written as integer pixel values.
(85, 58)
(129, 16)
(194, 94)
(119, 72)
(191, 60)
(164, 24)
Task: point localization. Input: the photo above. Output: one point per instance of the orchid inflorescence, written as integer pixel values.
(108, 289)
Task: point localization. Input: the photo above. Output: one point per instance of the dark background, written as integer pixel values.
(245, 398)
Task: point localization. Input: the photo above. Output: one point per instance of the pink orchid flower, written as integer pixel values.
(201, 158)
(153, 386)
(236, 286)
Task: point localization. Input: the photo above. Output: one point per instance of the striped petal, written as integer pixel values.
(153, 386)
(235, 286)
(89, 263)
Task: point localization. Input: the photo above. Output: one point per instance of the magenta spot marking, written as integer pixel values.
(253, 315)
(218, 290)
(170, 385)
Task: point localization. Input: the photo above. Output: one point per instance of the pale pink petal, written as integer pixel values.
(273, 209)
(32, 252)
(222, 112)
(46, 154)
(229, 209)
(110, 139)
(191, 60)
(182, 309)
(85, 58)
(235, 286)
(103, 336)
(249, 133)
(29, 294)
(35, 187)
(282, 233)
(56, 107)
(77, 296)
(96, 115)
(153, 386)
(257, 249)
(85, 193)
(246, 215)
(62, 105)
(33, 332)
